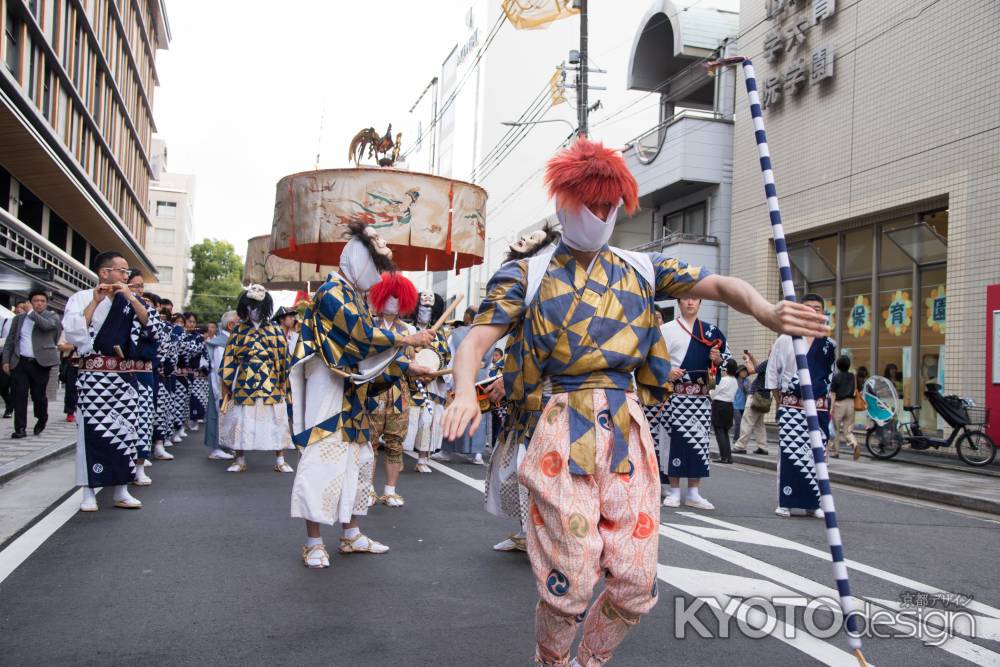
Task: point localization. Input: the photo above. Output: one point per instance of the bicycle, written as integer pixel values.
(886, 438)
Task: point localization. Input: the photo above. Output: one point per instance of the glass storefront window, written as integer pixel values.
(895, 333)
(858, 253)
(933, 312)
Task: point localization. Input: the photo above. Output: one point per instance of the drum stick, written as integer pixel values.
(447, 313)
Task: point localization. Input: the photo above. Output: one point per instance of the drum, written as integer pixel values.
(429, 358)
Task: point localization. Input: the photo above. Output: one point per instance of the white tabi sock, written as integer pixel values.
(89, 497)
(121, 493)
(351, 533)
(279, 459)
(693, 494)
(241, 459)
(389, 490)
(313, 541)
(675, 492)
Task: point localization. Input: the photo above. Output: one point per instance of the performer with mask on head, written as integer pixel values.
(255, 383)
(330, 414)
(504, 493)
(99, 322)
(393, 297)
(697, 351)
(582, 317)
(427, 397)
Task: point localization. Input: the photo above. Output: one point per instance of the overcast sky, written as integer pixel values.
(244, 85)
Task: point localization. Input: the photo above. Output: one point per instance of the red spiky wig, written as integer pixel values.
(394, 286)
(588, 173)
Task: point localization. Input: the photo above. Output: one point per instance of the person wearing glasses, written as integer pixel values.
(99, 322)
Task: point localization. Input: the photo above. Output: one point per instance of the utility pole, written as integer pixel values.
(581, 90)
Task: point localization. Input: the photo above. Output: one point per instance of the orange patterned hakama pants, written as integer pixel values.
(583, 527)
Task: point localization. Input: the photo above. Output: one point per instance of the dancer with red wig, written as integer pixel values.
(391, 299)
(581, 320)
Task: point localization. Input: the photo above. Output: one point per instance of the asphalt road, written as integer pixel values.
(209, 572)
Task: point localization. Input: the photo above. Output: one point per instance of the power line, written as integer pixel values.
(529, 111)
(451, 98)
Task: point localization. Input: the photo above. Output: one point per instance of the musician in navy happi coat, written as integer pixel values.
(99, 322)
(697, 350)
(181, 391)
(142, 350)
(193, 359)
(797, 485)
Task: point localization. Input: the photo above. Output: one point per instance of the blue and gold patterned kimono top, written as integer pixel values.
(584, 332)
(341, 330)
(255, 364)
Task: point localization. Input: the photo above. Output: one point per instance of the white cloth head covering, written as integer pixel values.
(357, 266)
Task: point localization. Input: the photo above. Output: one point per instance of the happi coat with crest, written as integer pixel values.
(108, 392)
(689, 413)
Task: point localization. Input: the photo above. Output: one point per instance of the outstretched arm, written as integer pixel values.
(463, 413)
(784, 317)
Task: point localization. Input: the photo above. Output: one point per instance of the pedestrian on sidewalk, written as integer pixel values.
(843, 386)
(740, 402)
(29, 354)
(722, 410)
(68, 371)
(20, 306)
(797, 485)
(752, 423)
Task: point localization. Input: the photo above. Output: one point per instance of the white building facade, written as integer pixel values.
(168, 243)
(474, 96)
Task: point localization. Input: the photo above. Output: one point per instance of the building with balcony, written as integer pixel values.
(478, 89)
(885, 143)
(76, 123)
(683, 163)
(171, 211)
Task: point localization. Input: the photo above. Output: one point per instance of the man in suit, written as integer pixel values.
(21, 305)
(29, 353)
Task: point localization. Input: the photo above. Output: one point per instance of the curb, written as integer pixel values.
(917, 492)
(9, 471)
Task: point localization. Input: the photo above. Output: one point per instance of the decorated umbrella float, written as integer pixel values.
(431, 223)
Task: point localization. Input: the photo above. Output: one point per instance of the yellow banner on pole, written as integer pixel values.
(531, 14)
(557, 87)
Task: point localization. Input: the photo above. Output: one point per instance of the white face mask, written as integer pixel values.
(424, 314)
(584, 231)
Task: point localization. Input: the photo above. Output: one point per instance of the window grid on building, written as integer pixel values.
(88, 65)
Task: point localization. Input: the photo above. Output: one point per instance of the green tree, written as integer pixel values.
(216, 285)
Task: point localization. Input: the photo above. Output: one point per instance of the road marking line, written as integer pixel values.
(20, 549)
(816, 648)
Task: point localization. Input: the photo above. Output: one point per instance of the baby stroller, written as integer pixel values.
(887, 436)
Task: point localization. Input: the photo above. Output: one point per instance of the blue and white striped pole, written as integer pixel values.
(847, 603)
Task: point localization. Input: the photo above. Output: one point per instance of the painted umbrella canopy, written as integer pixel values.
(427, 220)
(275, 273)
